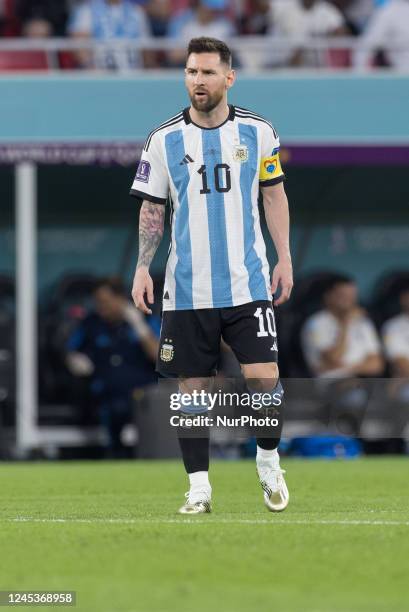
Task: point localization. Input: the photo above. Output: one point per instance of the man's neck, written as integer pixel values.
(210, 120)
(338, 314)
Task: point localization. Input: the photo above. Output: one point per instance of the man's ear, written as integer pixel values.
(230, 78)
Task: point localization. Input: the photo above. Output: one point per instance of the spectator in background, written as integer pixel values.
(107, 20)
(159, 14)
(3, 16)
(341, 347)
(36, 27)
(395, 334)
(344, 6)
(255, 20)
(117, 348)
(340, 340)
(208, 18)
(356, 12)
(387, 30)
(50, 11)
(9, 24)
(306, 19)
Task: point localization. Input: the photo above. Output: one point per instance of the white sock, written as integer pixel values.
(267, 457)
(199, 480)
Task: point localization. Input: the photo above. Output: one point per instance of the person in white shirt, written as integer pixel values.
(341, 341)
(395, 336)
(109, 20)
(357, 12)
(306, 19)
(208, 18)
(388, 30)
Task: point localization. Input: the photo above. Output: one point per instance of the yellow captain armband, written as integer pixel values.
(270, 167)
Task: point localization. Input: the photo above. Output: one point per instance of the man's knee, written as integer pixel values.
(264, 379)
(261, 376)
(193, 395)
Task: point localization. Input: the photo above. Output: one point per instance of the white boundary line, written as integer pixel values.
(273, 521)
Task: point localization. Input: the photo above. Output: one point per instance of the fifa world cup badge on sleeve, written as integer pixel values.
(240, 153)
(143, 172)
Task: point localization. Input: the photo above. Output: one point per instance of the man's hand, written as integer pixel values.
(283, 277)
(142, 284)
(79, 364)
(278, 223)
(352, 314)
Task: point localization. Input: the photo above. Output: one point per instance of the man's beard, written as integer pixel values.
(208, 104)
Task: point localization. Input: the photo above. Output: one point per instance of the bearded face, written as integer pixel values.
(206, 80)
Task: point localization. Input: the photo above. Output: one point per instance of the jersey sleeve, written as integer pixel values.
(317, 335)
(270, 172)
(394, 340)
(80, 21)
(151, 179)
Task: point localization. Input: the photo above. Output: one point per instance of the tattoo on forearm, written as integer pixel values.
(151, 223)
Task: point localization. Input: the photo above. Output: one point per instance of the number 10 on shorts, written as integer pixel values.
(271, 324)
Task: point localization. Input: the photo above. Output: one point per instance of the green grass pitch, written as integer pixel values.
(110, 532)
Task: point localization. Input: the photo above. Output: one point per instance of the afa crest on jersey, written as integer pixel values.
(167, 352)
(240, 153)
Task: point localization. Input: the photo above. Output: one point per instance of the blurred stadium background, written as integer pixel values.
(81, 85)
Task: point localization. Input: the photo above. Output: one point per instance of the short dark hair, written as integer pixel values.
(204, 44)
(404, 287)
(338, 279)
(113, 283)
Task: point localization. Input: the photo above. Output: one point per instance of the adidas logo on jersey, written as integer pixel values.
(186, 160)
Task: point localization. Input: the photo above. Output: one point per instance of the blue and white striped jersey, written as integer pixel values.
(217, 257)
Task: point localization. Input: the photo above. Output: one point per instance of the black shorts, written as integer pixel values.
(190, 339)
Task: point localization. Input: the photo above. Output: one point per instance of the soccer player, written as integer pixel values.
(211, 160)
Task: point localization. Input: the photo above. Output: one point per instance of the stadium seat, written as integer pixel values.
(67, 60)
(23, 60)
(339, 58)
